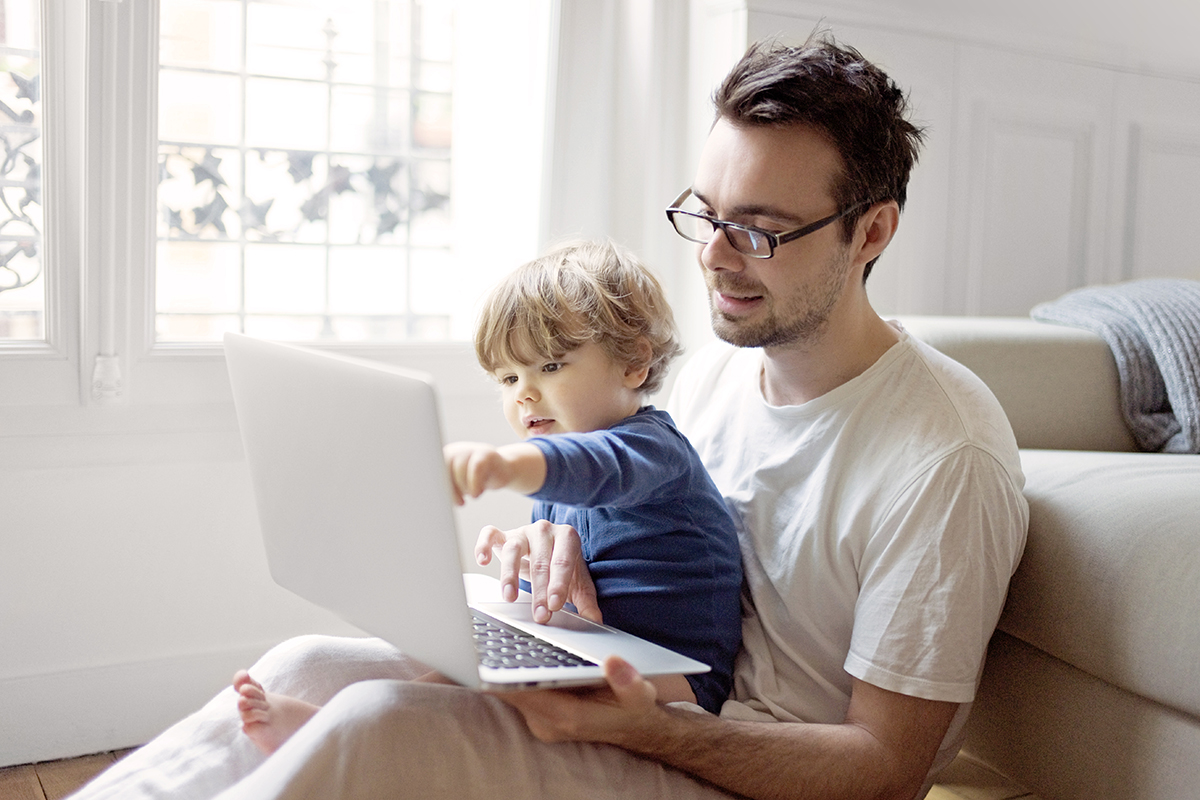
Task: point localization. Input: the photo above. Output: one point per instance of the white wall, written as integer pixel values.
(1064, 147)
(132, 574)
(1063, 139)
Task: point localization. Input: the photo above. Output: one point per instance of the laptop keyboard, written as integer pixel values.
(502, 647)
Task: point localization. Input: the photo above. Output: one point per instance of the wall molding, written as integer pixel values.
(1106, 45)
(991, 123)
(111, 706)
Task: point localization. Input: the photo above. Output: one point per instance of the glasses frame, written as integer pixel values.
(773, 239)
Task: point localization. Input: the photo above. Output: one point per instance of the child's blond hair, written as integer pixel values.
(577, 293)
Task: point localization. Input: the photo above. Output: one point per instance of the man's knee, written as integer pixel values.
(425, 716)
(315, 667)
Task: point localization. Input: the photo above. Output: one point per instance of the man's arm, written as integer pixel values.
(882, 750)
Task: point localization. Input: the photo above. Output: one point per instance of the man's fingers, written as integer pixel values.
(583, 594)
(568, 576)
(515, 549)
(630, 688)
(550, 557)
(490, 538)
(541, 555)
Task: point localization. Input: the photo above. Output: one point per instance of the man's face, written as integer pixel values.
(778, 179)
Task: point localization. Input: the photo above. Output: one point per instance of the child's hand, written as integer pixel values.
(476, 468)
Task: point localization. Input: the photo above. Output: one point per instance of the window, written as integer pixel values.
(304, 160)
(118, 293)
(22, 288)
(132, 282)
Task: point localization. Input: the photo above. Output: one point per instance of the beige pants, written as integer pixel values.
(376, 737)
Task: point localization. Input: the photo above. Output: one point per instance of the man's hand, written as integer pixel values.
(605, 714)
(883, 749)
(476, 468)
(550, 557)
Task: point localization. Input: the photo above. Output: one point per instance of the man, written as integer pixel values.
(875, 483)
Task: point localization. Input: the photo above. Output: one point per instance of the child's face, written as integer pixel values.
(584, 390)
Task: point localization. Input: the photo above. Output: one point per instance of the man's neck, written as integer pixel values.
(846, 348)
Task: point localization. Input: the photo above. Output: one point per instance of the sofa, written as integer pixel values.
(1092, 683)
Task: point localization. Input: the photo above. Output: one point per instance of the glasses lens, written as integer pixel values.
(700, 228)
(752, 243)
(693, 226)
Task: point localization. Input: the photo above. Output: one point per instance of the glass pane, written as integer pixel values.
(289, 114)
(289, 40)
(22, 285)
(284, 199)
(200, 33)
(196, 327)
(367, 280)
(369, 118)
(432, 272)
(197, 190)
(198, 107)
(198, 277)
(301, 147)
(289, 328)
(285, 279)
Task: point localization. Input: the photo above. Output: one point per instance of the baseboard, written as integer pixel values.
(72, 713)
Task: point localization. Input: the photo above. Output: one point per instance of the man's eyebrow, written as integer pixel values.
(754, 210)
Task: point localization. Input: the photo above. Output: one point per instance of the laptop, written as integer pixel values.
(355, 505)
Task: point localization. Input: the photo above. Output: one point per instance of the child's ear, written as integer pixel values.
(636, 374)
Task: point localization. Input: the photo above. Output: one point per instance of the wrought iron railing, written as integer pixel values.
(389, 195)
(21, 194)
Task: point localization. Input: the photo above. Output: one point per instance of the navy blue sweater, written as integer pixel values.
(659, 541)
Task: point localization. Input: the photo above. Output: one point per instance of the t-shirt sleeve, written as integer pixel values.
(623, 466)
(934, 576)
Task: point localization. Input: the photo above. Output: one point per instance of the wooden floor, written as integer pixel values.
(51, 780)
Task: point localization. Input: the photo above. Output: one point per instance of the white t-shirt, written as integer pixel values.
(879, 524)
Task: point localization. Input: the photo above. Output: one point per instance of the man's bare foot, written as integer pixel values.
(268, 719)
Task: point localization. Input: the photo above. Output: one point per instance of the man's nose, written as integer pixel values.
(719, 254)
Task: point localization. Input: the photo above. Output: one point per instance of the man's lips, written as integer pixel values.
(735, 303)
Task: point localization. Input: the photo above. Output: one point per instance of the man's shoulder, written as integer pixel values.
(949, 404)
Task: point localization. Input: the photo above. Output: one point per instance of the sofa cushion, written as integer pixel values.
(1058, 385)
(1110, 579)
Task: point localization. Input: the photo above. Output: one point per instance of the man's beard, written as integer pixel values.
(802, 319)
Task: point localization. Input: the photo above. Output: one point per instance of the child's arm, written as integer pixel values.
(476, 468)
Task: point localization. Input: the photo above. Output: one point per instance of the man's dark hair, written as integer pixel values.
(833, 89)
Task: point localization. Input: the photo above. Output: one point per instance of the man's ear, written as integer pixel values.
(877, 227)
(636, 375)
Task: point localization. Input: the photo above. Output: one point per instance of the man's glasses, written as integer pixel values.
(754, 242)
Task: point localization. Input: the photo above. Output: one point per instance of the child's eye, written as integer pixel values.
(508, 380)
(553, 366)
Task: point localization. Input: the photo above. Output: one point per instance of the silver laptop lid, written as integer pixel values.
(331, 494)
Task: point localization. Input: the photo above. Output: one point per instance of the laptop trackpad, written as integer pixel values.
(521, 612)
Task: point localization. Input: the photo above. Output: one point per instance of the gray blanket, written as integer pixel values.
(1153, 328)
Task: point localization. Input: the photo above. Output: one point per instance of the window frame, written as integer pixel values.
(100, 370)
(46, 371)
